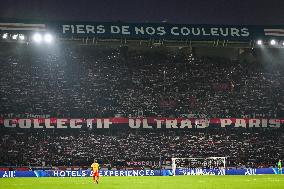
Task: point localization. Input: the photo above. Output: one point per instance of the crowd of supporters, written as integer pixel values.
(243, 148)
(107, 82)
(89, 82)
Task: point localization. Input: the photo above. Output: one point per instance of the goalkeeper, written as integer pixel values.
(279, 166)
(96, 167)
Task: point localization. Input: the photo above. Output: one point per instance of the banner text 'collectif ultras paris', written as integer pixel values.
(136, 123)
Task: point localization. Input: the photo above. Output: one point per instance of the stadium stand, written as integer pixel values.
(107, 82)
(243, 147)
(94, 82)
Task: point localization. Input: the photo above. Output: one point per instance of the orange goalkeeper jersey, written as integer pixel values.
(95, 167)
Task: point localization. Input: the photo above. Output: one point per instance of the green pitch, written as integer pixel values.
(155, 182)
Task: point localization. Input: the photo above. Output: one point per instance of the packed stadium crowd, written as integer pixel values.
(243, 148)
(98, 82)
(110, 82)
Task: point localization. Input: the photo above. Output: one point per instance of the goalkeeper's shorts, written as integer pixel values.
(96, 174)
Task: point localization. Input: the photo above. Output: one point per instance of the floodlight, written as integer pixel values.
(259, 42)
(21, 37)
(48, 38)
(37, 37)
(15, 36)
(272, 42)
(5, 36)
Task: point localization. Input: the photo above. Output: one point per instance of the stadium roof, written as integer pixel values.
(146, 34)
